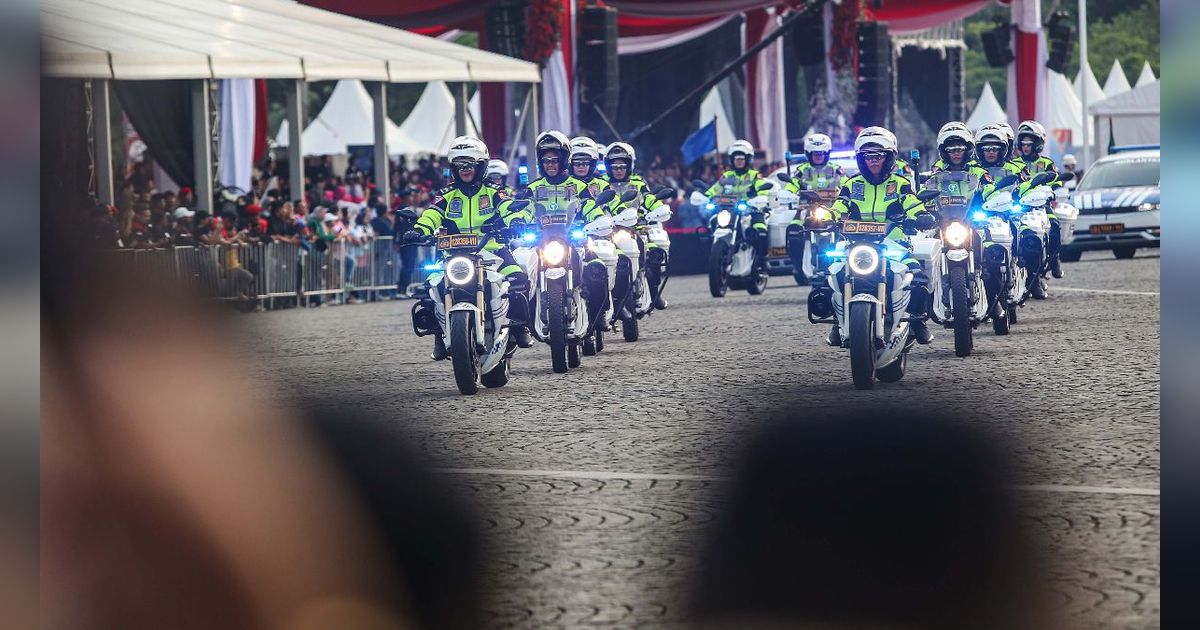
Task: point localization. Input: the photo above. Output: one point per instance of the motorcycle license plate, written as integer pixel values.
(454, 241)
(863, 227)
(777, 252)
(1107, 228)
(725, 200)
(553, 219)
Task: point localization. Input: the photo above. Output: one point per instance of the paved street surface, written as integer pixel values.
(595, 487)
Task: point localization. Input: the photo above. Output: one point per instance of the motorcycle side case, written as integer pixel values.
(659, 236)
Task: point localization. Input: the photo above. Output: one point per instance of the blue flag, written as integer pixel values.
(700, 142)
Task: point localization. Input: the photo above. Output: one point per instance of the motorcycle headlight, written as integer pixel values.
(1147, 206)
(529, 237)
(710, 206)
(742, 205)
(979, 215)
(553, 253)
(822, 214)
(863, 260)
(460, 270)
(723, 218)
(578, 235)
(957, 234)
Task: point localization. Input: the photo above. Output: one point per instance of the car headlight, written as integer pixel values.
(1147, 206)
(957, 234)
(460, 270)
(863, 260)
(553, 253)
(723, 218)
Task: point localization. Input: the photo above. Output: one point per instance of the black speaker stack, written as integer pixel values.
(504, 22)
(1062, 41)
(598, 68)
(876, 76)
(997, 45)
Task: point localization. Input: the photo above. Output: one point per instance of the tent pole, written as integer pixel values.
(295, 116)
(101, 102)
(380, 156)
(512, 152)
(1083, 83)
(460, 108)
(532, 129)
(202, 145)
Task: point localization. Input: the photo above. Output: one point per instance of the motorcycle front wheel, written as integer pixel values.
(718, 274)
(861, 328)
(556, 323)
(758, 284)
(960, 307)
(462, 352)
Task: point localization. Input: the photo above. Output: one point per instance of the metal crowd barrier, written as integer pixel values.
(263, 274)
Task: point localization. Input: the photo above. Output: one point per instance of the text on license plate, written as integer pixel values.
(777, 252)
(1107, 228)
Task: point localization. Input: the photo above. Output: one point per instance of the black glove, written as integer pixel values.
(926, 221)
(412, 236)
(517, 223)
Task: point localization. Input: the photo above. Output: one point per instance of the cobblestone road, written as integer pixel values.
(595, 486)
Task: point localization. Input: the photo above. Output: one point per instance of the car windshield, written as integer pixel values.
(1120, 173)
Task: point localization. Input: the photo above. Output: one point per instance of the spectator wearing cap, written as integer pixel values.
(183, 230)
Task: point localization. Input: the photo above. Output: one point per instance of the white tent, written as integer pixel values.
(429, 128)
(1132, 117)
(1117, 82)
(346, 120)
(1147, 75)
(987, 110)
(1064, 116)
(711, 106)
(1095, 93)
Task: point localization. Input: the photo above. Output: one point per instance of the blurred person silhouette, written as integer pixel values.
(898, 522)
(175, 495)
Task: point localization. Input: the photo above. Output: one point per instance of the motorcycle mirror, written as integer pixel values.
(699, 184)
(923, 177)
(606, 196)
(784, 177)
(767, 185)
(1044, 177)
(1066, 177)
(665, 194)
(628, 195)
(519, 204)
(409, 214)
(928, 195)
(524, 193)
(810, 195)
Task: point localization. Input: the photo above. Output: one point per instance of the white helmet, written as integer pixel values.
(741, 146)
(468, 148)
(553, 140)
(818, 142)
(1069, 159)
(1035, 129)
(995, 133)
(620, 151)
(955, 130)
(583, 145)
(878, 136)
(497, 167)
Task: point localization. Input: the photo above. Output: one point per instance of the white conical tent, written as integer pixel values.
(346, 120)
(1116, 82)
(429, 128)
(987, 110)
(1147, 75)
(711, 106)
(1064, 116)
(1095, 93)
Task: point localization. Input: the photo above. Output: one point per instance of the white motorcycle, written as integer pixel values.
(732, 259)
(632, 234)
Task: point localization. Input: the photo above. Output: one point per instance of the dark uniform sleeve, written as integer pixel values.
(431, 220)
(842, 206)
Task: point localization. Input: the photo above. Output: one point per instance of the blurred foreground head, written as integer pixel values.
(869, 522)
(178, 493)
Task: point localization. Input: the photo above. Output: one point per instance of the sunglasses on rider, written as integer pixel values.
(1026, 143)
(617, 165)
(874, 156)
(583, 162)
(550, 160)
(956, 149)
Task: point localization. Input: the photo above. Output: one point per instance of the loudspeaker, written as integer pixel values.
(1061, 35)
(997, 46)
(504, 22)
(599, 69)
(876, 75)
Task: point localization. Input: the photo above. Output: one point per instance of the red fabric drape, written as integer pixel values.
(260, 119)
(757, 23)
(1026, 51)
(492, 109)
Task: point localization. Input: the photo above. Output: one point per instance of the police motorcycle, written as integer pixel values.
(809, 203)
(870, 284)
(549, 250)
(632, 232)
(470, 299)
(732, 259)
(960, 299)
(1031, 213)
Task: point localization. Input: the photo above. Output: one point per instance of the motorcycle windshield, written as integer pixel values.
(956, 188)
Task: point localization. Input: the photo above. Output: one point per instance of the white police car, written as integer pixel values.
(1118, 200)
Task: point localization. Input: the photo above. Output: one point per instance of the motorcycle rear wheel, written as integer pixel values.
(462, 352)
(960, 308)
(861, 322)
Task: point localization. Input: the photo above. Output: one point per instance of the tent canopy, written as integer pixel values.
(1129, 118)
(1116, 82)
(987, 110)
(263, 39)
(1095, 93)
(1147, 75)
(1139, 101)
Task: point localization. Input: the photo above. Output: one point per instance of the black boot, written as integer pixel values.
(1036, 286)
(920, 331)
(439, 348)
(1056, 269)
(520, 334)
(834, 338)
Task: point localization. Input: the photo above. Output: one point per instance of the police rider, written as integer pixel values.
(471, 205)
(817, 174)
(497, 173)
(619, 162)
(1031, 140)
(747, 182)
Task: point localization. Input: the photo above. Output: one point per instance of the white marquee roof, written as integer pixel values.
(262, 39)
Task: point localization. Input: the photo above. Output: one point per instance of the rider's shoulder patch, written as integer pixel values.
(858, 189)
